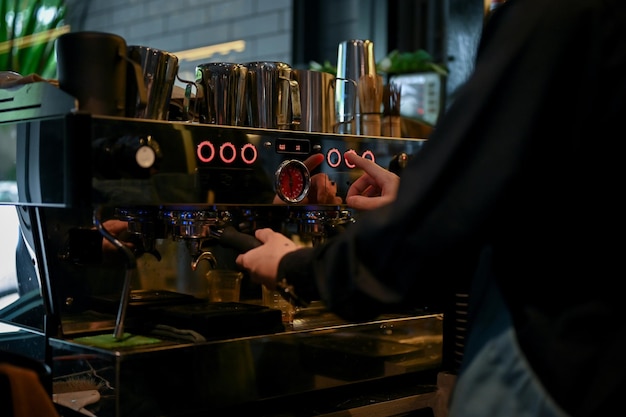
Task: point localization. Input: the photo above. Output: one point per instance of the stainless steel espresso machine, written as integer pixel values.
(131, 324)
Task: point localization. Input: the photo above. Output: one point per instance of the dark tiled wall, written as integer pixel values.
(293, 31)
(265, 26)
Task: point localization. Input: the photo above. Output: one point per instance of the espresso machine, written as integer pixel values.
(125, 311)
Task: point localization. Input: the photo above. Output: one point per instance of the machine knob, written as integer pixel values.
(145, 156)
(127, 157)
(399, 162)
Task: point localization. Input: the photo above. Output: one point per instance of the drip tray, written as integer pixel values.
(142, 299)
(215, 320)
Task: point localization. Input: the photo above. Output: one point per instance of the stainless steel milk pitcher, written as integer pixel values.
(159, 69)
(317, 99)
(355, 59)
(273, 96)
(221, 93)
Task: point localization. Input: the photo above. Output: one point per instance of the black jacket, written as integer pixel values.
(528, 162)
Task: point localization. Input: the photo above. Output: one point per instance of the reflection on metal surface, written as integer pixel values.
(34, 39)
(8, 192)
(262, 367)
(208, 51)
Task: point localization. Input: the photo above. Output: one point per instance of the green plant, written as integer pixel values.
(408, 62)
(28, 29)
(325, 67)
(395, 63)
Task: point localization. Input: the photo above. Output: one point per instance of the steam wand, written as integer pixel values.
(131, 270)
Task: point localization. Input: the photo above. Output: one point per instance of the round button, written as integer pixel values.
(145, 156)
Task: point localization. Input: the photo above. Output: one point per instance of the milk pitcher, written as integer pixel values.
(95, 69)
(317, 99)
(159, 69)
(273, 96)
(355, 59)
(221, 93)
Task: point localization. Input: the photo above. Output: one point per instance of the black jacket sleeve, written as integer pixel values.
(506, 167)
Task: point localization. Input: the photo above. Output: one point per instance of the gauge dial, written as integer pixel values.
(292, 181)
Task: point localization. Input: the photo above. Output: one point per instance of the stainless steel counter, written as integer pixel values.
(319, 365)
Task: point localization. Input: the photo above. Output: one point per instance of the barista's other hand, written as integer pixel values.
(375, 188)
(119, 230)
(322, 190)
(314, 161)
(262, 261)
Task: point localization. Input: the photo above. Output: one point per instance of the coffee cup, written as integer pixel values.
(224, 285)
(274, 299)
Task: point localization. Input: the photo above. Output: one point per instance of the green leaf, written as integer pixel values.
(22, 52)
(407, 62)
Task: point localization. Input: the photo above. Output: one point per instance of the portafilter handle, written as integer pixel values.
(243, 242)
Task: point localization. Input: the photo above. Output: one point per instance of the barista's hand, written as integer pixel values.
(376, 187)
(119, 229)
(322, 190)
(262, 261)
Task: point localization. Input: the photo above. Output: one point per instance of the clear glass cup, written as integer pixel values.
(273, 299)
(224, 285)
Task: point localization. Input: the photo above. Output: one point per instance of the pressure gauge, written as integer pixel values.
(292, 181)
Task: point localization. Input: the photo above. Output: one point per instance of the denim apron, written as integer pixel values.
(495, 379)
